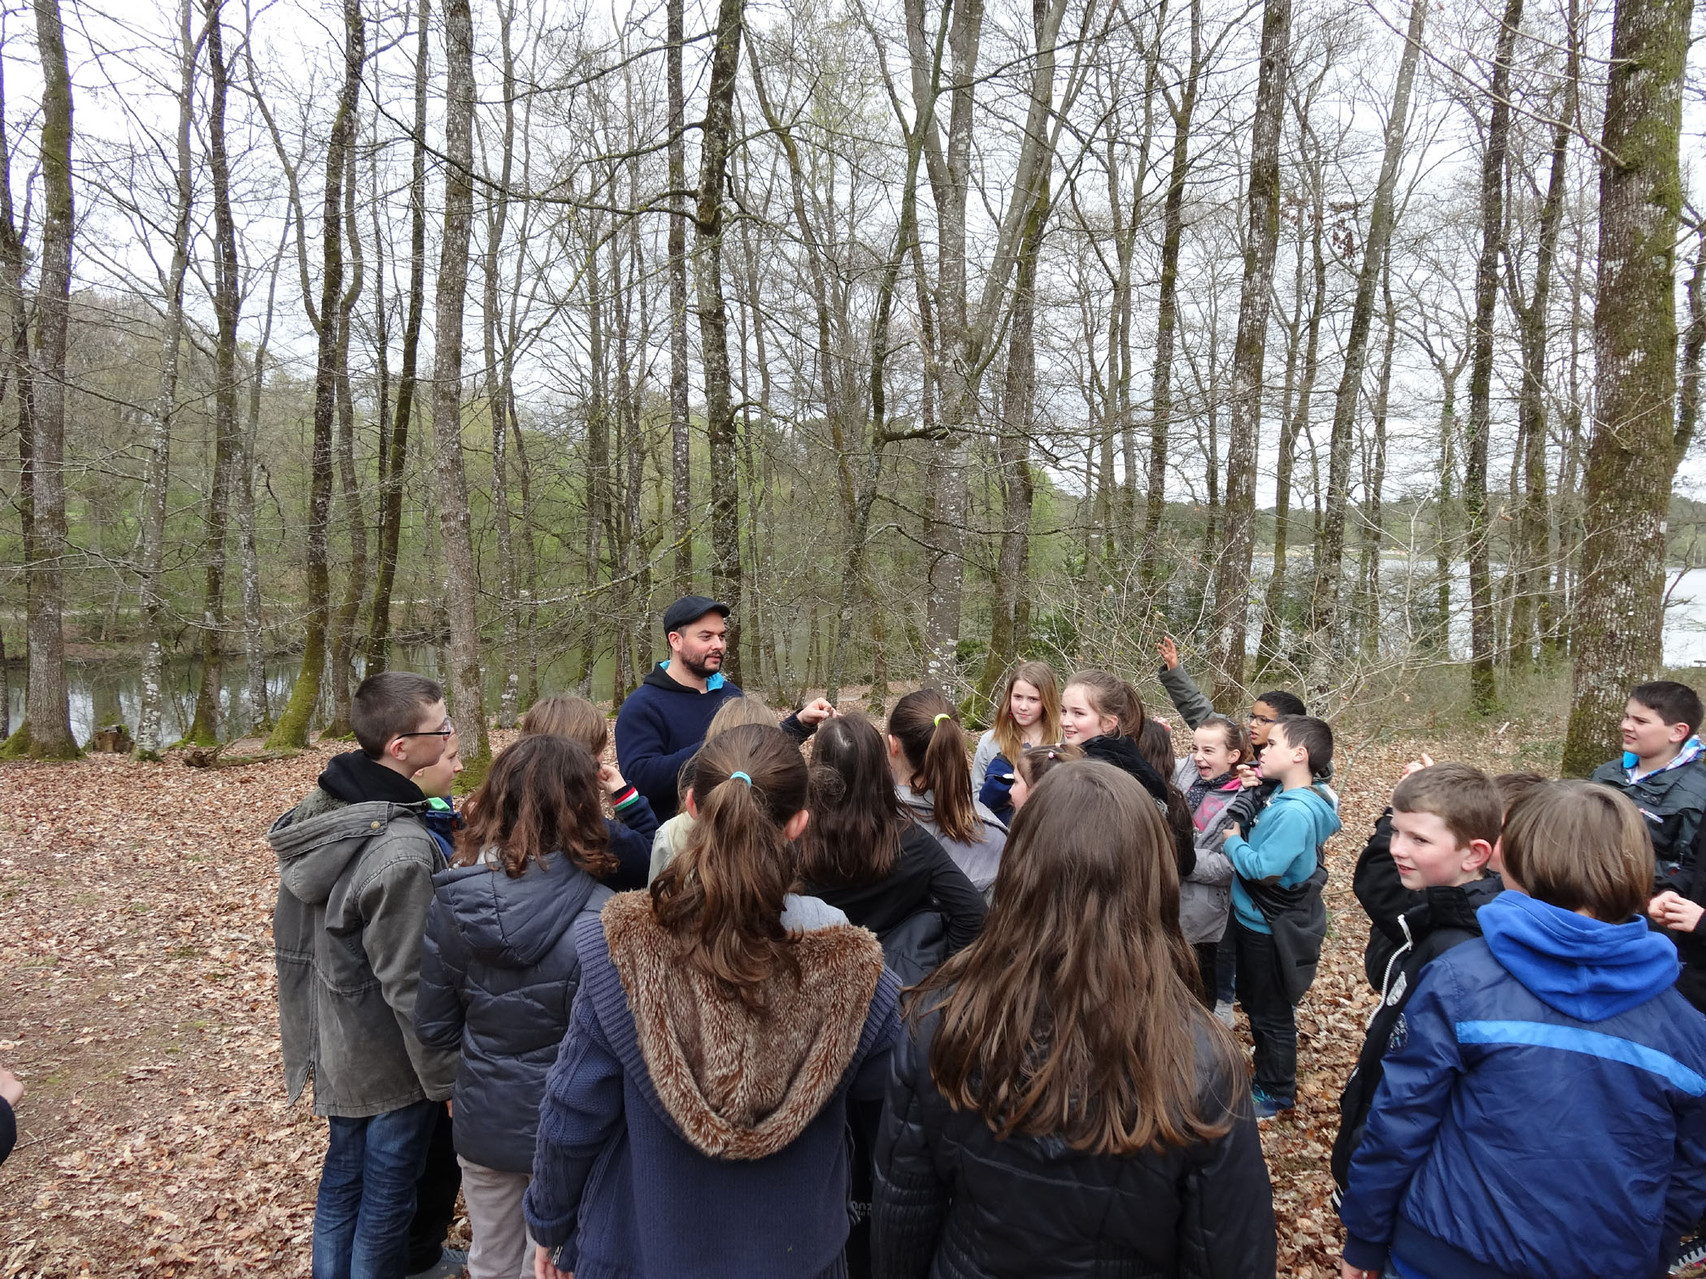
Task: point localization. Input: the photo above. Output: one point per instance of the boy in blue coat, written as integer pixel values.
(1281, 853)
(1543, 1111)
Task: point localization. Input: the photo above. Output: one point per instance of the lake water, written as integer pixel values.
(1685, 620)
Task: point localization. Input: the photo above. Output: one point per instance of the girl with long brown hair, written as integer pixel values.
(1063, 1104)
(740, 1017)
(635, 824)
(1027, 714)
(499, 970)
(1104, 715)
(927, 756)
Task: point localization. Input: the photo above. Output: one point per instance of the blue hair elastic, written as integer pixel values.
(743, 778)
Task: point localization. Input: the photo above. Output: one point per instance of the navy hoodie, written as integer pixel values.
(1543, 1110)
(660, 727)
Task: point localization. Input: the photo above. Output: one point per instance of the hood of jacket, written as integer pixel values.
(922, 803)
(739, 1084)
(317, 839)
(659, 678)
(356, 778)
(1582, 967)
(514, 922)
(1121, 751)
(1322, 809)
(1452, 906)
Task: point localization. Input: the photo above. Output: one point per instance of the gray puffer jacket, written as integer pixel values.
(498, 977)
(1205, 896)
(981, 858)
(355, 884)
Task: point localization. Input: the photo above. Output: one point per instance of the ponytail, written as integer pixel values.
(1114, 697)
(927, 727)
(723, 897)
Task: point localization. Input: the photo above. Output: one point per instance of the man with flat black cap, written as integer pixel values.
(663, 721)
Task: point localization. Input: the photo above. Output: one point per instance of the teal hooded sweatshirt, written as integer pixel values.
(1281, 848)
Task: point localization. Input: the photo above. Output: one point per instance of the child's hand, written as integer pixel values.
(543, 1269)
(611, 779)
(11, 1087)
(1675, 912)
(1348, 1271)
(1417, 765)
(1231, 832)
(1248, 777)
(1169, 653)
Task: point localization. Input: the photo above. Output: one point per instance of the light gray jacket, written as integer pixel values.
(355, 884)
(980, 859)
(1205, 897)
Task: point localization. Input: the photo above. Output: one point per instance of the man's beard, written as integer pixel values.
(702, 669)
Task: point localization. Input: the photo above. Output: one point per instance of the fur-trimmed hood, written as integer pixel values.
(738, 1084)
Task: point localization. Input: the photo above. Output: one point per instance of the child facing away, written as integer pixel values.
(635, 825)
(1035, 763)
(1028, 715)
(1208, 777)
(927, 758)
(1276, 877)
(671, 837)
(1445, 824)
(1662, 772)
(1543, 1111)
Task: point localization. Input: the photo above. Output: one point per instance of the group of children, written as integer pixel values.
(660, 1042)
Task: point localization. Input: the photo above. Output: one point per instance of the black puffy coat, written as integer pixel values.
(952, 1202)
(498, 974)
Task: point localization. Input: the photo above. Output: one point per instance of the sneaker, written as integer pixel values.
(451, 1264)
(1268, 1107)
(1223, 1012)
(1692, 1254)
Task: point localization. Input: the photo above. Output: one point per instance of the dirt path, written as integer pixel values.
(137, 1002)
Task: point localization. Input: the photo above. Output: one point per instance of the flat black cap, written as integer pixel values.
(690, 608)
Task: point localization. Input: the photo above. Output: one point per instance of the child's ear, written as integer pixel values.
(691, 804)
(796, 825)
(1477, 855)
(1678, 732)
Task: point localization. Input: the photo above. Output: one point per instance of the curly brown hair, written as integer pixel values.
(540, 797)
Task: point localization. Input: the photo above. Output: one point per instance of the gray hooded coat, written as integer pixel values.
(355, 884)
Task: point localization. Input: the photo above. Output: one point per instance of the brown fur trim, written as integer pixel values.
(738, 1084)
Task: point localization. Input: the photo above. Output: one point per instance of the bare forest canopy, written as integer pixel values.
(1341, 339)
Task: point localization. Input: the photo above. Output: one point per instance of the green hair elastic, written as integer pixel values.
(938, 720)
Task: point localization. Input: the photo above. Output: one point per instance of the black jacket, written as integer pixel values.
(924, 880)
(1442, 917)
(952, 1202)
(1121, 751)
(1384, 898)
(498, 976)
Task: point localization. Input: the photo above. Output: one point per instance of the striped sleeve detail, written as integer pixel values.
(1592, 1043)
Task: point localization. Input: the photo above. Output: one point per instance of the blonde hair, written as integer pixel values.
(1580, 846)
(737, 711)
(565, 715)
(1009, 738)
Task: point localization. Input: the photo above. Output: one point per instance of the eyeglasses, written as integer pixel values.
(446, 731)
(1263, 719)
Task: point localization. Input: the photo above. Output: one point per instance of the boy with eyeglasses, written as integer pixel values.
(356, 861)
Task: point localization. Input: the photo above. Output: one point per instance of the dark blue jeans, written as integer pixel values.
(367, 1193)
(1273, 1022)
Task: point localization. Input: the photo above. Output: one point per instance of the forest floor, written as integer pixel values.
(137, 1003)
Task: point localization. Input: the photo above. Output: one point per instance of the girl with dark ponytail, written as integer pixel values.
(745, 1016)
(927, 755)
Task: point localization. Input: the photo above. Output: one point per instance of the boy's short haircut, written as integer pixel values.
(1513, 786)
(1581, 846)
(1673, 702)
(565, 715)
(1460, 795)
(1283, 702)
(1313, 735)
(389, 704)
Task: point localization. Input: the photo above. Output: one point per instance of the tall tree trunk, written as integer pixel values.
(461, 581)
(1167, 308)
(17, 364)
(396, 451)
(47, 708)
(497, 218)
(1632, 459)
(1693, 346)
(227, 304)
(1483, 691)
(254, 631)
(681, 452)
(291, 730)
(1374, 480)
(714, 323)
(1330, 545)
(156, 472)
(1261, 244)
(342, 666)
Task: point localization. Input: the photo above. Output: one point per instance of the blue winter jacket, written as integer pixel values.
(1282, 847)
(1543, 1110)
(662, 725)
(498, 976)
